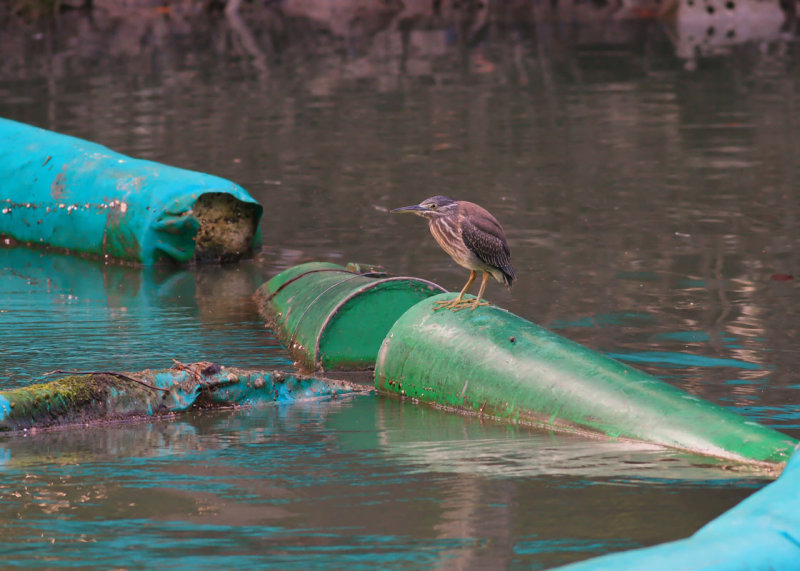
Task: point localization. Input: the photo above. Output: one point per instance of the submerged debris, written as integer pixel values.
(227, 227)
(95, 396)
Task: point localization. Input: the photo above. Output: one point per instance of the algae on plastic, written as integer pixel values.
(82, 397)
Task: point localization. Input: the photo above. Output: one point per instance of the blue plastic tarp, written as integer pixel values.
(762, 532)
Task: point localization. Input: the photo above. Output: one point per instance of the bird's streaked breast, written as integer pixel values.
(448, 236)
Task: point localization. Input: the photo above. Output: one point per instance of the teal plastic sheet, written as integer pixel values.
(79, 397)
(79, 196)
(762, 532)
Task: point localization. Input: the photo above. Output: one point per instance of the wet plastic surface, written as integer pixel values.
(495, 363)
(331, 318)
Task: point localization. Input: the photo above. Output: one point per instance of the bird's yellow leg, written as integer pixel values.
(450, 304)
(477, 301)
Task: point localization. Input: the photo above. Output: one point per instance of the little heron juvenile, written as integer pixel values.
(472, 237)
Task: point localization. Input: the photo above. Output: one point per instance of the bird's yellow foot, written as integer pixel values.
(447, 304)
(458, 304)
(471, 304)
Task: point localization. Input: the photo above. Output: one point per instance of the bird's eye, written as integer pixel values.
(432, 206)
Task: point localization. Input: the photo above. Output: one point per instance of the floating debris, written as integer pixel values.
(81, 397)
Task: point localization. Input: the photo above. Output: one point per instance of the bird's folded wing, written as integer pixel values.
(489, 248)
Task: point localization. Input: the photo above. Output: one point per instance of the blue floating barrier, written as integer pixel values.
(761, 532)
(75, 195)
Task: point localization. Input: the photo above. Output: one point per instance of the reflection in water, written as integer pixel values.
(436, 442)
(309, 486)
(648, 191)
(61, 312)
(557, 456)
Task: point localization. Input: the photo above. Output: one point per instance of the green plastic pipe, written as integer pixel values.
(74, 195)
(495, 363)
(83, 397)
(334, 318)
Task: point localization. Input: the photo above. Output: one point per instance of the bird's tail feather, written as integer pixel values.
(508, 275)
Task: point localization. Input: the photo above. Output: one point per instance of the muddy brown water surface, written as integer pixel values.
(651, 205)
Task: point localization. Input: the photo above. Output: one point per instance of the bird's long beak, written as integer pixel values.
(414, 208)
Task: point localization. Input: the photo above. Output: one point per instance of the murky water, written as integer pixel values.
(651, 204)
